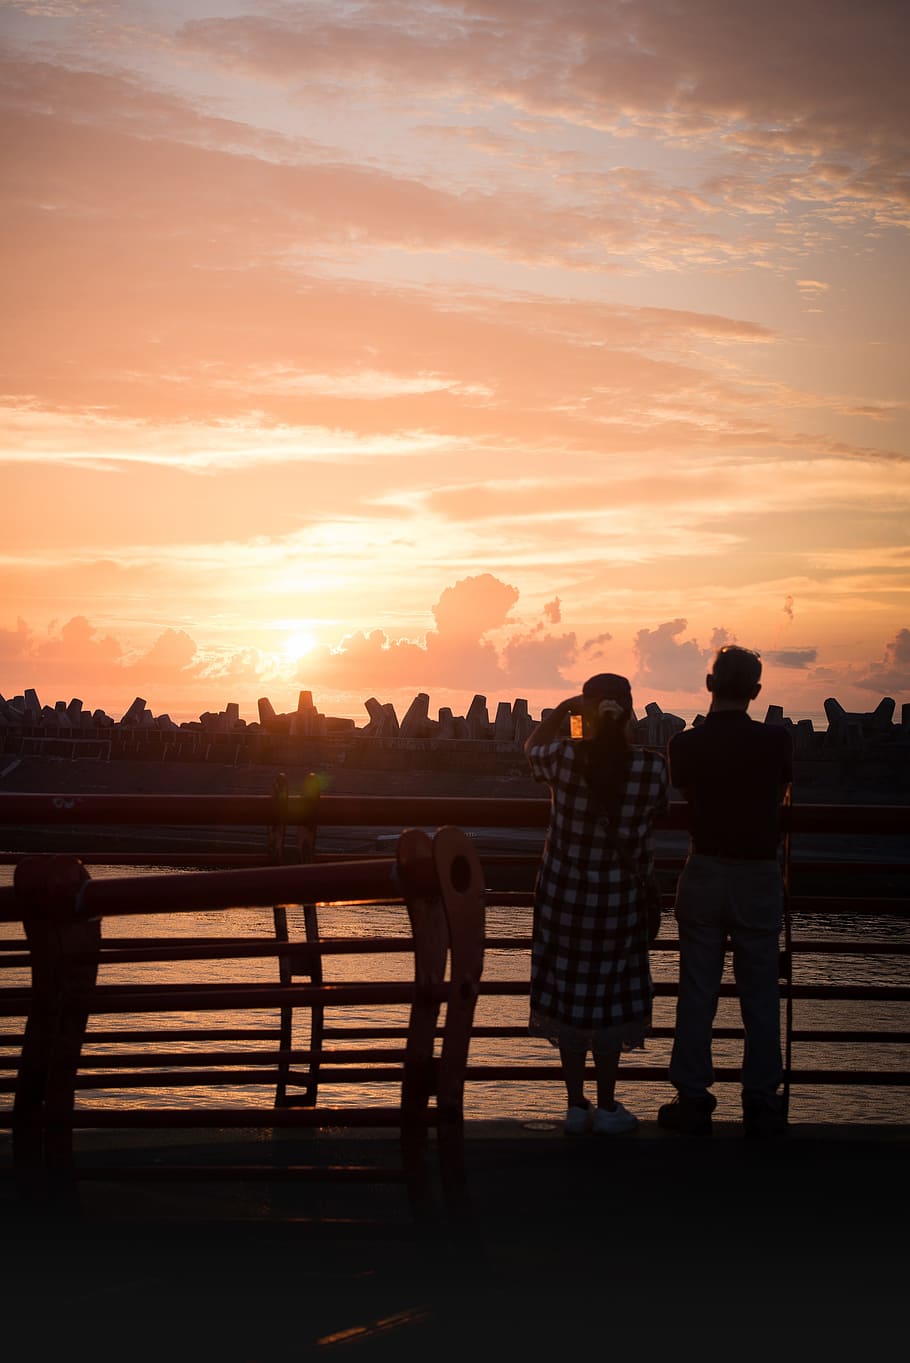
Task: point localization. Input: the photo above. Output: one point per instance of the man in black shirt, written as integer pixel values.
(733, 773)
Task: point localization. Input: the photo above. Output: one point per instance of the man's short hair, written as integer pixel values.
(736, 673)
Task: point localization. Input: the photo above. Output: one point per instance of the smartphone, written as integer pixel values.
(576, 726)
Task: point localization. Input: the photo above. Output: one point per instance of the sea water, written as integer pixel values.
(531, 1100)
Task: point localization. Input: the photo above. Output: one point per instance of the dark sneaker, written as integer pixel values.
(688, 1116)
(763, 1121)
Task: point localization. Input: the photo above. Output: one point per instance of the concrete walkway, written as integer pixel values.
(644, 1243)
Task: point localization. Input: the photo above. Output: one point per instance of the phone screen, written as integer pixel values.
(576, 726)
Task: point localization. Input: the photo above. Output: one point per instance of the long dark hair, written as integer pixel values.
(607, 756)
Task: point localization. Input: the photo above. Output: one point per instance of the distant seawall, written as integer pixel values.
(476, 742)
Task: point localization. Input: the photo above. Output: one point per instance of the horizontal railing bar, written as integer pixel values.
(878, 1038)
(213, 998)
(799, 862)
(185, 1059)
(156, 998)
(329, 946)
(131, 1036)
(866, 906)
(798, 1036)
(505, 1031)
(251, 810)
(263, 887)
(667, 988)
(636, 1074)
(321, 1116)
(176, 860)
(372, 880)
(271, 1173)
(124, 943)
(393, 811)
(250, 1118)
(802, 862)
(162, 950)
(215, 859)
(803, 947)
(207, 1078)
(104, 1037)
(166, 998)
(820, 947)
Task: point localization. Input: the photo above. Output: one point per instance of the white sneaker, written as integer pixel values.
(578, 1121)
(613, 1123)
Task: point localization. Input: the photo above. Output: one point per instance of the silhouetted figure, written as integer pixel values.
(733, 773)
(590, 976)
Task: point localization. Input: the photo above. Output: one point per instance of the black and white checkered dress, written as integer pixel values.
(590, 976)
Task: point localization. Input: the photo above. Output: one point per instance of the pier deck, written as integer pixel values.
(721, 1247)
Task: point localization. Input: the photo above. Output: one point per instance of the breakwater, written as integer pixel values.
(475, 741)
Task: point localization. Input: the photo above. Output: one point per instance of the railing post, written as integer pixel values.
(64, 950)
(419, 886)
(461, 885)
(785, 970)
(275, 851)
(276, 830)
(306, 846)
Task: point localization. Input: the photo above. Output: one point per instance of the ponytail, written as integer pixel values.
(607, 757)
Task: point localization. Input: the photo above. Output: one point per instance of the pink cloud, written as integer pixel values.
(668, 663)
(891, 675)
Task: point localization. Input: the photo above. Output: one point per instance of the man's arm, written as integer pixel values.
(677, 767)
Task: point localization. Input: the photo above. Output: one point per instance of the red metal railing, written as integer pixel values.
(62, 908)
(280, 815)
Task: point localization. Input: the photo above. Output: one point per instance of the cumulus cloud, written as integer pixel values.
(473, 607)
(66, 660)
(669, 663)
(458, 654)
(539, 661)
(892, 674)
(77, 644)
(76, 656)
(172, 654)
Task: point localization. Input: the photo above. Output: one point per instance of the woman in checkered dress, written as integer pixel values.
(590, 976)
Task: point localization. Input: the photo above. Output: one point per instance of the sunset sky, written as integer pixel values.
(385, 347)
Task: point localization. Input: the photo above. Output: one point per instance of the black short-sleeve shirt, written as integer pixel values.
(731, 770)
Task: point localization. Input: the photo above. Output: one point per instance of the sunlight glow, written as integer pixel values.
(297, 645)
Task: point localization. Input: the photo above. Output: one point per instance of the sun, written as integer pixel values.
(298, 645)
